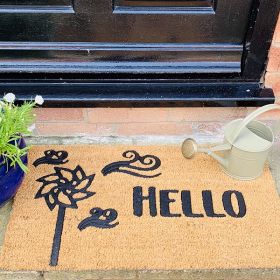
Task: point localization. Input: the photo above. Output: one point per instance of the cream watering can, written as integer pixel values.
(247, 143)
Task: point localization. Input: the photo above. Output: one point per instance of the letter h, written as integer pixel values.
(138, 199)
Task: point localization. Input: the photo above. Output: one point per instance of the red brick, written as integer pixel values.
(277, 32)
(272, 115)
(205, 114)
(274, 59)
(209, 128)
(273, 80)
(74, 129)
(126, 115)
(107, 115)
(277, 36)
(60, 114)
(167, 128)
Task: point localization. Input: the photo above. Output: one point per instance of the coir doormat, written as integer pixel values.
(102, 207)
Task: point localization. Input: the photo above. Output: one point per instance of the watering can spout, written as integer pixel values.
(221, 160)
(190, 147)
(222, 147)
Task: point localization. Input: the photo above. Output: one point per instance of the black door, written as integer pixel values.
(117, 36)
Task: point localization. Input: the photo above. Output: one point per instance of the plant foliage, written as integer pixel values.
(15, 122)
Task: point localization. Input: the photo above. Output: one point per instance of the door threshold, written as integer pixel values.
(140, 93)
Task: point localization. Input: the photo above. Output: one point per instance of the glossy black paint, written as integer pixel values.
(93, 36)
(156, 7)
(259, 36)
(134, 52)
(126, 93)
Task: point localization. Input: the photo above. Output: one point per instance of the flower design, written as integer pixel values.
(63, 188)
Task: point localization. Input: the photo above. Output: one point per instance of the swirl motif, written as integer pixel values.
(147, 163)
(100, 219)
(52, 157)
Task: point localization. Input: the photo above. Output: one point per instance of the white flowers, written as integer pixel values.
(39, 99)
(31, 128)
(9, 97)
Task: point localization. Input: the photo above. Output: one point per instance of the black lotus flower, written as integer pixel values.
(64, 189)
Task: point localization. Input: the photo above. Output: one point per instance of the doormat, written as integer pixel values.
(118, 207)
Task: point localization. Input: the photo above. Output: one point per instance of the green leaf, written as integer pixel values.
(14, 123)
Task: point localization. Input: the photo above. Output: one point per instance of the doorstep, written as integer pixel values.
(244, 274)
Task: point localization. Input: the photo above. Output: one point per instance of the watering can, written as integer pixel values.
(245, 149)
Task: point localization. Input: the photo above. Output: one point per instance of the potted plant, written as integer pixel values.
(16, 121)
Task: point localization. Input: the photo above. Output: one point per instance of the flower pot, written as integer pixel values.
(11, 179)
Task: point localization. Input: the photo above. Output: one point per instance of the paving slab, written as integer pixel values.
(91, 275)
(217, 274)
(21, 275)
(5, 211)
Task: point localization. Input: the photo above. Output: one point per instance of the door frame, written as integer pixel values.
(150, 90)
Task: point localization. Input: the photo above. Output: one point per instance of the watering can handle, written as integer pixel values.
(251, 117)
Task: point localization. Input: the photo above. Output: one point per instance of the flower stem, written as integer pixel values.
(57, 236)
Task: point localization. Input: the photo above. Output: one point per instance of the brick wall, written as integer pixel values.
(134, 122)
(272, 77)
(183, 122)
(202, 123)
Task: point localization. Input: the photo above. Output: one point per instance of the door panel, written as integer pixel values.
(123, 35)
(39, 6)
(167, 3)
(155, 6)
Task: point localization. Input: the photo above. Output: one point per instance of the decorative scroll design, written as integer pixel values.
(100, 219)
(63, 188)
(144, 164)
(52, 157)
